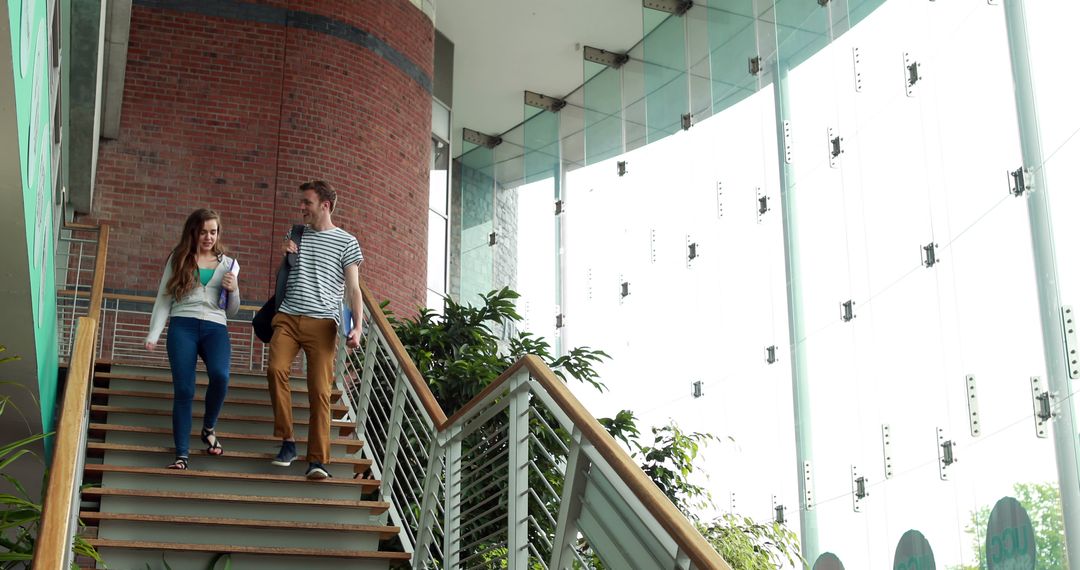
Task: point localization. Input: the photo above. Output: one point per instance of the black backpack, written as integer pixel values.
(264, 318)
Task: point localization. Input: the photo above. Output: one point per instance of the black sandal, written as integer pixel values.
(180, 464)
(213, 447)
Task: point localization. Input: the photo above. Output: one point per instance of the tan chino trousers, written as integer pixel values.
(318, 338)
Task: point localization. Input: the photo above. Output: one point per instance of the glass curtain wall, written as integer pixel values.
(917, 284)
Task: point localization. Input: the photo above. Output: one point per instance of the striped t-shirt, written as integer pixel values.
(316, 283)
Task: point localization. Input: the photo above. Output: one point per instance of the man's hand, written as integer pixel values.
(151, 346)
(353, 340)
(290, 247)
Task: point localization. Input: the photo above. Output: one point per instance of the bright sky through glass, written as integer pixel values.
(916, 170)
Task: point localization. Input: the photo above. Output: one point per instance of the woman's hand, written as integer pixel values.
(228, 282)
(151, 346)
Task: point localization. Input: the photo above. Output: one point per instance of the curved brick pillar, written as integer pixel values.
(231, 105)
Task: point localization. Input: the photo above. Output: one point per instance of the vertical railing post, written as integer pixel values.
(393, 438)
(518, 481)
(566, 528)
(425, 533)
(1046, 276)
(452, 513)
(363, 400)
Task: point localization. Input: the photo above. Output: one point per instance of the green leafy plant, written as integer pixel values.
(1042, 501)
(20, 514)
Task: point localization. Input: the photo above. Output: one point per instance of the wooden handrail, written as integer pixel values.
(54, 538)
(659, 506)
(98, 287)
(423, 391)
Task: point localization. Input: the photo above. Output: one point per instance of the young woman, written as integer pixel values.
(198, 290)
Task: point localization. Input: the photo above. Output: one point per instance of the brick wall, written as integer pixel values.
(233, 114)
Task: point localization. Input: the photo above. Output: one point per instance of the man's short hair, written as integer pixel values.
(323, 189)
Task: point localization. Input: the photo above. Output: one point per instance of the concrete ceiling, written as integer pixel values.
(504, 47)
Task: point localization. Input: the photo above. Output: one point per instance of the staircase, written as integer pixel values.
(140, 515)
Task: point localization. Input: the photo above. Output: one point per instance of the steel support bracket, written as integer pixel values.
(886, 449)
(620, 167)
(544, 102)
(858, 489)
(929, 255)
(808, 482)
(677, 7)
(946, 449)
(856, 60)
(835, 148)
(912, 74)
(762, 204)
(1072, 358)
(1042, 403)
(847, 311)
(754, 65)
(479, 138)
(973, 406)
(691, 251)
(687, 121)
(779, 511)
(1019, 181)
(787, 142)
(605, 57)
(770, 354)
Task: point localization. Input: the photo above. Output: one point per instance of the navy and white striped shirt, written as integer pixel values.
(316, 283)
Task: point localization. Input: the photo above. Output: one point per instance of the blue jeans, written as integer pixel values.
(190, 338)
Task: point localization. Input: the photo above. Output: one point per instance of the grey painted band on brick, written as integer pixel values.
(262, 14)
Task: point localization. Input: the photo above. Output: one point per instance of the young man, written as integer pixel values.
(308, 318)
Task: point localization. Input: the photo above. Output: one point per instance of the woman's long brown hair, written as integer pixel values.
(185, 263)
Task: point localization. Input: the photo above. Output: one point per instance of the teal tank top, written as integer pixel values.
(205, 275)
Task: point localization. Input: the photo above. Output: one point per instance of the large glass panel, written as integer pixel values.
(666, 91)
(895, 156)
(541, 144)
(732, 42)
(477, 223)
(603, 112)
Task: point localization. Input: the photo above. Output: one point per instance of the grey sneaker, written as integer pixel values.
(316, 471)
(286, 455)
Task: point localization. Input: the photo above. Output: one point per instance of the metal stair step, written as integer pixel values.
(383, 531)
(376, 507)
(365, 484)
(199, 398)
(95, 448)
(351, 445)
(233, 385)
(274, 551)
(346, 426)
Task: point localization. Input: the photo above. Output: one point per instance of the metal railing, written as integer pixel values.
(521, 475)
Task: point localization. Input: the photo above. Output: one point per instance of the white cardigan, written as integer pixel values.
(199, 303)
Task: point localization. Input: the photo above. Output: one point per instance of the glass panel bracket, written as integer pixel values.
(620, 167)
(754, 65)
(544, 102)
(946, 449)
(687, 121)
(677, 7)
(478, 138)
(770, 355)
(835, 149)
(605, 57)
(929, 255)
(1019, 181)
(911, 74)
(847, 311)
(696, 389)
(691, 251)
(856, 59)
(886, 449)
(779, 511)
(762, 204)
(858, 489)
(973, 406)
(1042, 401)
(1072, 359)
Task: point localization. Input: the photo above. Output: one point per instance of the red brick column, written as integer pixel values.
(231, 105)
